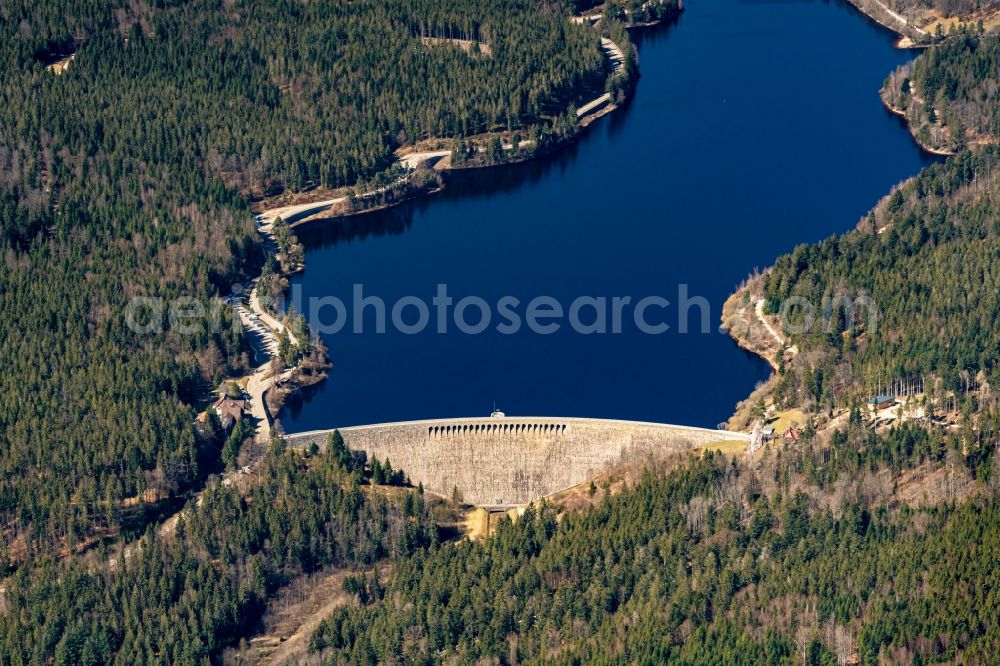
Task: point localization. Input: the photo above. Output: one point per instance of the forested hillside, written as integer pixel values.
(927, 258)
(298, 93)
(201, 586)
(128, 175)
(950, 95)
(714, 563)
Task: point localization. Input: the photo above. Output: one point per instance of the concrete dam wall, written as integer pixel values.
(513, 460)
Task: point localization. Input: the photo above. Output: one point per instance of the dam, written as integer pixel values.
(502, 460)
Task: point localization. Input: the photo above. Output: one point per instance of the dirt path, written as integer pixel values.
(292, 213)
(898, 17)
(275, 326)
(790, 349)
(299, 621)
(759, 309)
(886, 17)
(296, 214)
(257, 320)
(293, 615)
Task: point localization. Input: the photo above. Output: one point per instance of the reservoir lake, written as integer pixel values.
(755, 126)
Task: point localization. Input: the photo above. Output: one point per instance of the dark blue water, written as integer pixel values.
(756, 126)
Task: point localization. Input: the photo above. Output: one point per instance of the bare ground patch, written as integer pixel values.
(292, 616)
(467, 45)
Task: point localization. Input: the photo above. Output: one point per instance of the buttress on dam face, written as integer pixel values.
(501, 460)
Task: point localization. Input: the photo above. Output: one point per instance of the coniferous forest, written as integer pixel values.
(926, 257)
(711, 563)
(182, 594)
(128, 175)
(128, 171)
(950, 96)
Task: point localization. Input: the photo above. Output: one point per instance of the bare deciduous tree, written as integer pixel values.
(843, 644)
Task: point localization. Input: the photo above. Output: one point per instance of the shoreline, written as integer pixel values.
(328, 214)
(265, 378)
(906, 39)
(752, 325)
(744, 321)
(941, 152)
(328, 205)
(323, 217)
(584, 122)
(271, 407)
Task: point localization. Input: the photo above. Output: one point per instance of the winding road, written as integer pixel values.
(264, 330)
(257, 320)
(298, 213)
